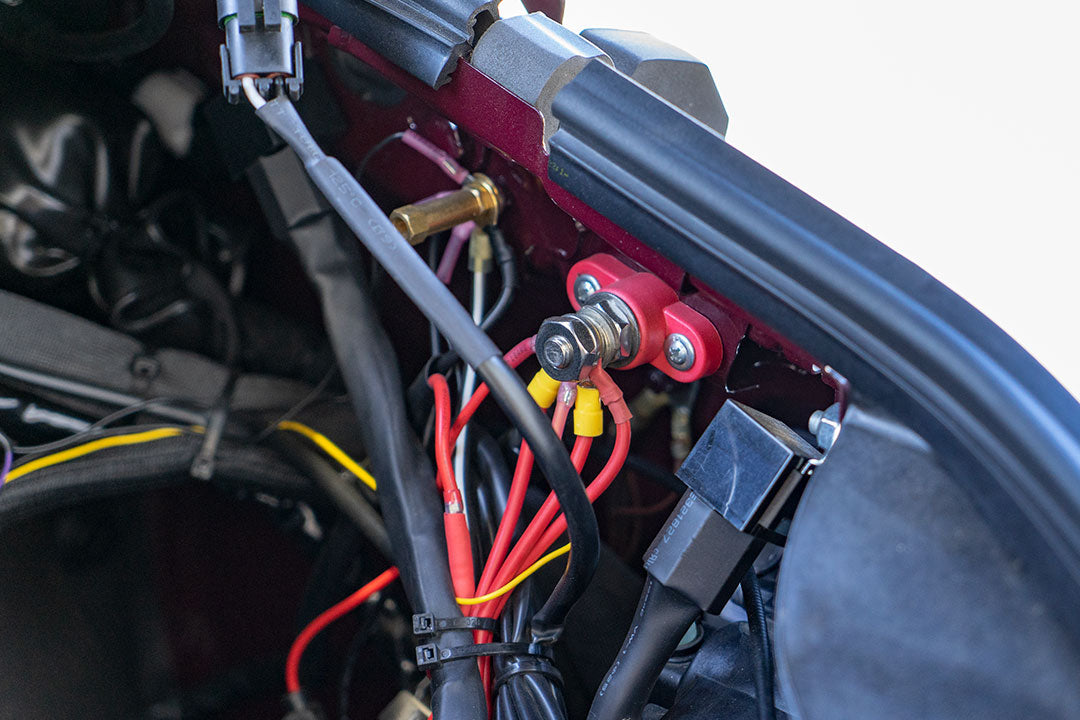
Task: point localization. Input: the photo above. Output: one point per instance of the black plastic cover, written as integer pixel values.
(741, 461)
(898, 601)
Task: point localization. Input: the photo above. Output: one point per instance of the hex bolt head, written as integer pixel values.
(679, 351)
(585, 286)
(558, 352)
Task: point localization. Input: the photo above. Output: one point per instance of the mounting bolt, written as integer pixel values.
(825, 425)
(679, 351)
(558, 351)
(584, 286)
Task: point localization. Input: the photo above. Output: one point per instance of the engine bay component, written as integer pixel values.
(246, 453)
(426, 39)
(625, 319)
(670, 72)
(476, 202)
(742, 475)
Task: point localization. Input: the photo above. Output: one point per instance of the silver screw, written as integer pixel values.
(679, 351)
(558, 352)
(584, 286)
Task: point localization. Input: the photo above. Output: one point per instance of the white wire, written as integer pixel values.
(253, 96)
(467, 388)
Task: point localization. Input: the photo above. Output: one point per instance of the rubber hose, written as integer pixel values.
(408, 498)
(662, 618)
(436, 301)
(759, 646)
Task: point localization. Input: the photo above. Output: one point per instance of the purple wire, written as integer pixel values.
(7, 462)
(449, 260)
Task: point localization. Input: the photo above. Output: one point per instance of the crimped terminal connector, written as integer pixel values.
(260, 44)
(588, 414)
(611, 396)
(544, 389)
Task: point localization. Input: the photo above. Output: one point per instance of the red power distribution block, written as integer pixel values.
(662, 318)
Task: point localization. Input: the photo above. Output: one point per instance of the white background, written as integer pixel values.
(949, 130)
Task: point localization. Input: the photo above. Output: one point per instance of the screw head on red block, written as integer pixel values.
(679, 351)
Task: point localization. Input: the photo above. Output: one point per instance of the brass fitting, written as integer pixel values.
(477, 200)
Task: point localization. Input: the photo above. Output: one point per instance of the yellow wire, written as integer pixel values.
(324, 443)
(328, 447)
(518, 580)
(92, 447)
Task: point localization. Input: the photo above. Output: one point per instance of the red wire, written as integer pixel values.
(515, 500)
(578, 456)
(538, 536)
(443, 457)
(580, 453)
(458, 541)
(292, 664)
(517, 355)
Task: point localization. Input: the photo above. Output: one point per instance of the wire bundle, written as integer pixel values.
(508, 563)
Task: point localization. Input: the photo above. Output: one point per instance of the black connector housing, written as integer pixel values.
(745, 465)
(260, 43)
(701, 555)
(743, 471)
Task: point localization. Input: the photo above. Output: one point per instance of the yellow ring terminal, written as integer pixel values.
(544, 389)
(588, 414)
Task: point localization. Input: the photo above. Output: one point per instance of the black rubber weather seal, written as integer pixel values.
(423, 38)
(997, 419)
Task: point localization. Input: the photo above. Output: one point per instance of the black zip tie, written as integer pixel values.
(528, 664)
(431, 655)
(202, 468)
(428, 624)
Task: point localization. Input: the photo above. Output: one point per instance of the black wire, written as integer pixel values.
(86, 391)
(375, 150)
(759, 646)
(504, 256)
(371, 225)
(96, 428)
(434, 243)
(662, 618)
(299, 406)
